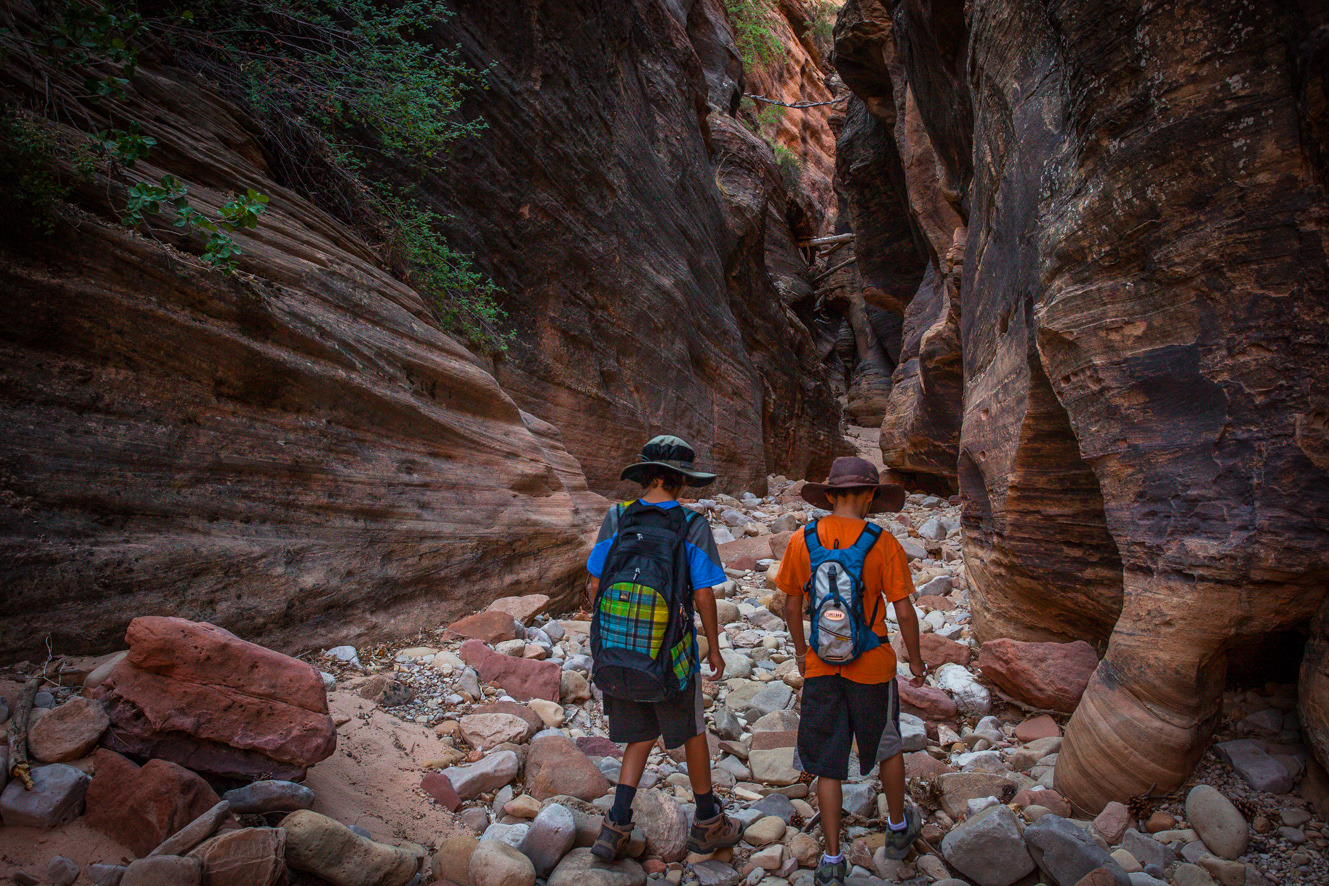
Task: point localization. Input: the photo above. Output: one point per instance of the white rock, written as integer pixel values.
(344, 654)
(969, 695)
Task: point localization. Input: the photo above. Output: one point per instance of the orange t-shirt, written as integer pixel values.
(885, 574)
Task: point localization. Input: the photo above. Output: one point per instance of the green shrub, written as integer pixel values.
(757, 41)
(791, 167)
(29, 174)
(821, 22)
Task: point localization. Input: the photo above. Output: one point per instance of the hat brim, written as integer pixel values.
(693, 478)
(888, 497)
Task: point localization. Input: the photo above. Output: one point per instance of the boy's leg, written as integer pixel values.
(892, 785)
(629, 777)
(829, 800)
(634, 724)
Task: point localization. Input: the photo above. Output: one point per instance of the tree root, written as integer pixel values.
(19, 767)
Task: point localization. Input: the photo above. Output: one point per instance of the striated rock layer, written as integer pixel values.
(295, 453)
(1142, 321)
(637, 286)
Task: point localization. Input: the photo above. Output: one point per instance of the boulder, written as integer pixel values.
(1066, 853)
(1257, 768)
(777, 805)
(522, 678)
(927, 702)
(1148, 851)
(328, 849)
(988, 848)
(269, 795)
(194, 833)
(935, 649)
(57, 797)
(765, 830)
(552, 835)
(489, 730)
(549, 712)
(498, 864)
(452, 859)
(438, 786)
(68, 732)
(716, 873)
(958, 788)
(1040, 726)
(573, 688)
(554, 766)
(492, 627)
(163, 870)
(773, 767)
(244, 857)
(774, 698)
(197, 695)
(140, 807)
(970, 695)
(1219, 824)
(580, 868)
(664, 823)
(1046, 675)
(487, 774)
(1112, 822)
(523, 609)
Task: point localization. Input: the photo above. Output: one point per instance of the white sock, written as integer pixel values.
(829, 859)
(896, 827)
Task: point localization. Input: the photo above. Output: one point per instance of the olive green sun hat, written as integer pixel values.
(671, 452)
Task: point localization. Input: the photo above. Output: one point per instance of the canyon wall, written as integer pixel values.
(604, 196)
(296, 452)
(1141, 327)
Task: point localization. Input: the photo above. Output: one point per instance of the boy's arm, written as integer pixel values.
(703, 600)
(592, 588)
(908, 619)
(793, 616)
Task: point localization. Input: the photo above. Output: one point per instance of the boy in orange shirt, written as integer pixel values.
(858, 699)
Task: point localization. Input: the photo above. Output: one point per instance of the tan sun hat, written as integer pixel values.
(855, 473)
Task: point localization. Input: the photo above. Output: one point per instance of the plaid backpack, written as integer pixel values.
(641, 630)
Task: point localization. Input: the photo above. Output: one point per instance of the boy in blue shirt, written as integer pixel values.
(664, 469)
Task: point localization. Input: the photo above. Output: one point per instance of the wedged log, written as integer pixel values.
(1145, 305)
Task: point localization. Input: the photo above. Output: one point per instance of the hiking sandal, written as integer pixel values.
(708, 835)
(898, 843)
(612, 844)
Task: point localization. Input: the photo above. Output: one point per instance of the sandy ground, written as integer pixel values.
(373, 778)
(30, 849)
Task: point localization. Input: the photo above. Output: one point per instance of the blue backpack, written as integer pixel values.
(835, 597)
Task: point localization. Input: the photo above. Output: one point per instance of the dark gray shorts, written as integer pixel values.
(676, 719)
(836, 711)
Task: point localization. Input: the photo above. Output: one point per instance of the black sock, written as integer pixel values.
(707, 806)
(621, 814)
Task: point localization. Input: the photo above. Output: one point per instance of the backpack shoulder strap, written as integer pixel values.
(810, 538)
(867, 538)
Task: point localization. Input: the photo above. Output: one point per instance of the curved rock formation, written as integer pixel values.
(1313, 686)
(1142, 320)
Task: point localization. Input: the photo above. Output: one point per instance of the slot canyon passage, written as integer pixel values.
(327, 328)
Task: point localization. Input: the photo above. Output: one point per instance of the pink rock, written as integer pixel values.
(555, 766)
(199, 696)
(936, 650)
(522, 678)
(654, 866)
(599, 746)
(203, 653)
(210, 728)
(934, 603)
(244, 857)
(927, 702)
(1113, 821)
(522, 609)
(1047, 675)
(490, 626)
(436, 785)
(1050, 800)
(1038, 727)
(142, 806)
(921, 764)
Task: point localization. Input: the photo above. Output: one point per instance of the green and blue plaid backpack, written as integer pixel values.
(641, 631)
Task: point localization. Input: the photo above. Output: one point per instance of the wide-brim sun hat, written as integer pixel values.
(671, 452)
(854, 473)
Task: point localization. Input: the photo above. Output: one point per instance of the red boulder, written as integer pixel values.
(491, 626)
(142, 806)
(927, 702)
(522, 678)
(1046, 675)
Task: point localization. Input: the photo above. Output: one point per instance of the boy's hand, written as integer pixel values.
(917, 670)
(716, 661)
(802, 661)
